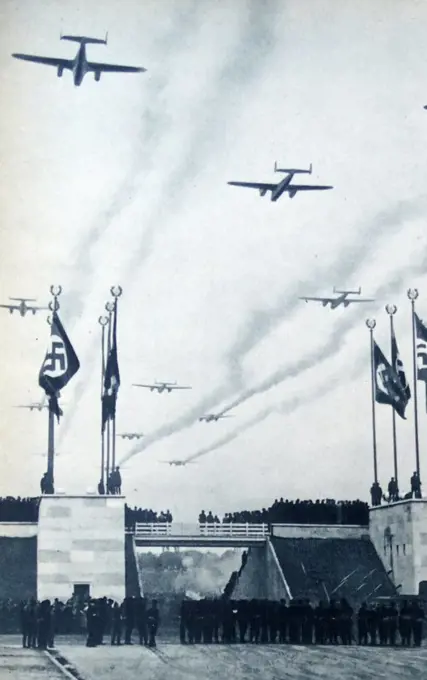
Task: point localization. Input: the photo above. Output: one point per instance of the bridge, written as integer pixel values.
(213, 535)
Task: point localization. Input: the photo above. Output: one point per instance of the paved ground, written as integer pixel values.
(236, 662)
(247, 662)
(26, 664)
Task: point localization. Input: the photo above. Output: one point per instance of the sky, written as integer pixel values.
(124, 182)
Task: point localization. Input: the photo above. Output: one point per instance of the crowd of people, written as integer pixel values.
(19, 509)
(41, 622)
(267, 621)
(325, 511)
(144, 515)
(222, 620)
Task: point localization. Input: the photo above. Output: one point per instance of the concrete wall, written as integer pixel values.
(18, 530)
(406, 521)
(262, 577)
(81, 541)
(319, 531)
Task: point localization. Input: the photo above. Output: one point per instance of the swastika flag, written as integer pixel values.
(59, 365)
(388, 386)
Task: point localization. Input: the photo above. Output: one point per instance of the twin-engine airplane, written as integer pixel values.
(80, 65)
(131, 435)
(340, 300)
(284, 186)
(34, 405)
(163, 386)
(209, 417)
(178, 462)
(23, 308)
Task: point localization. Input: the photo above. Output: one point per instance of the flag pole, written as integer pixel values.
(391, 311)
(53, 306)
(412, 295)
(371, 323)
(116, 292)
(110, 308)
(103, 320)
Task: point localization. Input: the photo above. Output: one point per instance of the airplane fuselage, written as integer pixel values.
(80, 66)
(281, 188)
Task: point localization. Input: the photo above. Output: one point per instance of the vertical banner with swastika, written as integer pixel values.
(59, 365)
(111, 378)
(388, 387)
(421, 333)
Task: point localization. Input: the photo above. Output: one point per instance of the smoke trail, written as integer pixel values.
(288, 406)
(332, 346)
(245, 66)
(245, 345)
(348, 261)
(153, 122)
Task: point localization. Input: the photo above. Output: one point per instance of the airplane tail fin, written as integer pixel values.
(349, 292)
(84, 40)
(293, 171)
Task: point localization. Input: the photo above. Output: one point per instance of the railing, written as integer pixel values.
(149, 529)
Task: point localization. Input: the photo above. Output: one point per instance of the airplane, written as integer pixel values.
(80, 65)
(178, 462)
(341, 299)
(162, 386)
(209, 417)
(34, 405)
(131, 435)
(284, 186)
(23, 308)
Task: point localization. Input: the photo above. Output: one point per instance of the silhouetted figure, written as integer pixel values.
(416, 485)
(393, 491)
(101, 487)
(116, 624)
(376, 494)
(153, 621)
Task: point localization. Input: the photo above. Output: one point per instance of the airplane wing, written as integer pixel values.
(141, 385)
(254, 185)
(178, 387)
(113, 68)
(10, 306)
(47, 61)
(34, 308)
(317, 299)
(363, 300)
(308, 187)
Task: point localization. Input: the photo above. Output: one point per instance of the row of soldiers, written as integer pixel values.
(41, 621)
(121, 620)
(267, 621)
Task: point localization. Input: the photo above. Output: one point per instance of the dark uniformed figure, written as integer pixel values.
(362, 624)
(417, 620)
(129, 616)
(376, 494)
(116, 624)
(405, 630)
(43, 624)
(92, 622)
(320, 624)
(416, 485)
(153, 620)
(141, 620)
(393, 491)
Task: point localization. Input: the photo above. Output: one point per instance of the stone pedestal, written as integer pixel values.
(81, 541)
(399, 534)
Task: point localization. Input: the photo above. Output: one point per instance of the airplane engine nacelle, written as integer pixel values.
(34, 312)
(324, 303)
(346, 304)
(262, 192)
(11, 311)
(97, 76)
(60, 71)
(292, 194)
